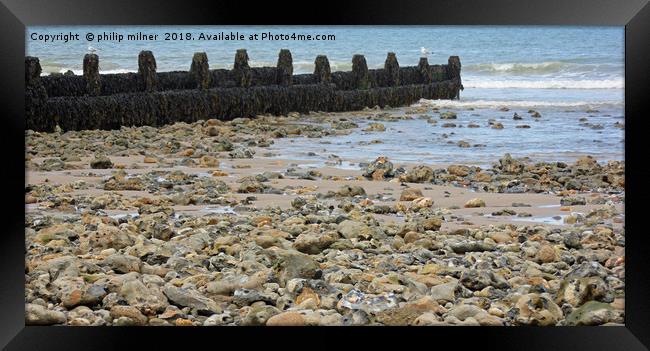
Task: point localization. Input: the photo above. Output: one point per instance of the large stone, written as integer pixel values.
(379, 169)
(187, 297)
(313, 244)
(591, 313)
(108, 236)
(123, 263)
(40, 315)
(410, 194)
(444, 292)
(101, 162)
(293, 319)
(473, 203)
(350, 190)
(147, 300)
(298, 265)
(350, 229)
(419, 174)
(259, 315)
(577, 291)
(537, 309)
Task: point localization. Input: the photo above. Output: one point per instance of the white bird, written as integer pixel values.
(424, 51)
(91, 50)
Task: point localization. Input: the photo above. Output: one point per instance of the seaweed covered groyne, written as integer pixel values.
(148, 97)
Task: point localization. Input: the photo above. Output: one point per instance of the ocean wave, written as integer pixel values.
(546, 84)
(517, 103)
(542, 68)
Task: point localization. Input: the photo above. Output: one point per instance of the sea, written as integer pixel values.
(572, 76)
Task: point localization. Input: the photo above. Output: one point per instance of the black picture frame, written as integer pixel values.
(15, 15)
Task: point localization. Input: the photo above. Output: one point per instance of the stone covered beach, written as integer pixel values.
(203, 224)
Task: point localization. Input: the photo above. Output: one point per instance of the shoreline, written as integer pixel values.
(225, 235)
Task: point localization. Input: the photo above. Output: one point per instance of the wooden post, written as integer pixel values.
(453, 67)
(360, 72)
(32, 71)
(200, 70)
(423, 65)
(91, 74)
(322, 70)
(147, 71)
(241, 70)
(391, 66)
(285, 68)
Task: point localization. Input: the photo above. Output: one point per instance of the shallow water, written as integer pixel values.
(556, 136)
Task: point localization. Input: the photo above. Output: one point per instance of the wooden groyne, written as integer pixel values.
(148, 97)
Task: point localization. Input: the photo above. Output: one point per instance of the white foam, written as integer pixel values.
(515, 103)
(545, 84)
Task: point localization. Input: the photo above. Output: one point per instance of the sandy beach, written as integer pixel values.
(211, 223)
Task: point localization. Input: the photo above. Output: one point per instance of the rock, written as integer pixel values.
(218, 320)
(52, 164)
(298, 202)
(246, 297)
(212, 131)
(537, 309)
(350, 190)
(572, 240)
(40, 315)
(422, 202)
(379, 169)
(509, 165)
(314, 244)
(101, 162)
(448, 115)
(130, 312)
(293, 319)
(147, 300)
(108, 236)
(259, 315)
(375, 127)
(241, 153)
(463, 312)
(73, 291)
(298, 265)
(186, 297)
(249, 185)
(591, 313)
(350, 229)
(431, 223)
(573, 201)
(123, 263)
(478, 279)
(419, 174)
(546, 254)
(369, 303)
(444, 292)
(410, 194)
(472, 246)
(458, 170)
(208, 162)
(577, 291)
(476, 202)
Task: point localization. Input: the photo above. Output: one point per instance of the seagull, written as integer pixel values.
(424, 51)
(91, 50)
